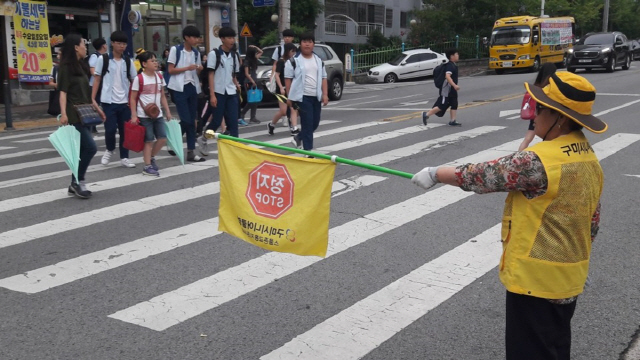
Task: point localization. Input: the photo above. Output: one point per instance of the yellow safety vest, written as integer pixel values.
(547, 240)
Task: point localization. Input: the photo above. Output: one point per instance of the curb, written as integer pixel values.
(33, 124)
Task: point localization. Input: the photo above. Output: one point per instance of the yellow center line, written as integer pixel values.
(413, 115)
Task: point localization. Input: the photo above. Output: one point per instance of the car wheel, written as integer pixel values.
(390, 78)
(499, 71)
(627, 63)
(571, 70)
(612, 64)
(536, 65)
(335, 92)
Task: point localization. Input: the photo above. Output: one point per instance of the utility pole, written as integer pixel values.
(284, 18)
(183, 13)
(233, 10)
(112, 15)
(605, 17)
(542, 9)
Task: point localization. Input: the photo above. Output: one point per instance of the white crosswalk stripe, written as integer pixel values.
(351, 333)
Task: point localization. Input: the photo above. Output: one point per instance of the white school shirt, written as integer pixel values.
(110, 77)
(310, 76)
(119, 93)
(148, 94)
(178, 81)
(93, 60)
(223, 77)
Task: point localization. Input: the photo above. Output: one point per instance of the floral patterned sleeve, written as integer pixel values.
(520, 171)
(595, 222)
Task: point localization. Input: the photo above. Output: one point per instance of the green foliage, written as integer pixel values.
(272, 37)
(303, 17)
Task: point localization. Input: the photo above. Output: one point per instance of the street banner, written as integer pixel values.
(32, 41)
(556, 32)
(277, 202)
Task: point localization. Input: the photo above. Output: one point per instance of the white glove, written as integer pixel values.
(426, 178)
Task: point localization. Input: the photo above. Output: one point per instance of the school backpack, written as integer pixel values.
(439, 75)
(205, 78)
(105, 70)
(179, 49)
(86, 60)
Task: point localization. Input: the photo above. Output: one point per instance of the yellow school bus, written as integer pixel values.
(522, 42)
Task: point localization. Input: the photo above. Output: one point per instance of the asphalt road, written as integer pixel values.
(140, 272)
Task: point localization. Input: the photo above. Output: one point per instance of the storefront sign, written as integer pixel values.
(11, 47)
(32, 41)
(165, 2)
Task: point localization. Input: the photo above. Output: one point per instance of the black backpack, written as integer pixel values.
(205, 78)
(439, 75)
(105, 70)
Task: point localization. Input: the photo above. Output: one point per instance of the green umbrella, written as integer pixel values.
(174, 138)
(66, 140)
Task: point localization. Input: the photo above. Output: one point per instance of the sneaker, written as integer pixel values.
(94, 130)
(254, 121)
(309, 157)
(294, 130)
(203, 146)
(270, 128)
(424, 118)
(241, 122)
(454, 123)
(77, 190)
(226, 132)
(106, 157)
(83, 187)
(126, 163)
(296, 142)
(194, 158)
(171, 152)
(149, 170)
(154, 165)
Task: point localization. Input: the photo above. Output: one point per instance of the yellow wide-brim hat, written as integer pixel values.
(571, 95)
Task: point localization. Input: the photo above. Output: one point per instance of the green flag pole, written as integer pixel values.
(210, 134)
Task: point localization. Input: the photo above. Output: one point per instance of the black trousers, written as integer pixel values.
(537, 329)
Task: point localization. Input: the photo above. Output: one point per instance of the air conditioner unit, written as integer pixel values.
(159, 13)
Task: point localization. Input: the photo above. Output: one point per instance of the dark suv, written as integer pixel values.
(600, 50)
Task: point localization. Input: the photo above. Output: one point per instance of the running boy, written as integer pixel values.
(114, 82)
(448, 92)
(184, 66)
(306, 82)
(151, 92)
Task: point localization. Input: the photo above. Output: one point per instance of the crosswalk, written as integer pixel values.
(27, 163)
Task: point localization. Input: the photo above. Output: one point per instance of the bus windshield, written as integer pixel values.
(512, 35)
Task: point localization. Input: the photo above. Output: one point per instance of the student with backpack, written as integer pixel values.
(250, 70)
(278, 53)
(445, 78)
(100, 44)
(528, 110)
(289, 52)
(223, 64)
(306, 82)
(146, 99)
(113, 75)
(184, 67)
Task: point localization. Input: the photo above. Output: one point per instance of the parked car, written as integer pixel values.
(635, 50)
(408, 64)
(606, 50)
(332, 63)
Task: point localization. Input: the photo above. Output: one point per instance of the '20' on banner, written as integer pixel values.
(32, 41)
(277, 202)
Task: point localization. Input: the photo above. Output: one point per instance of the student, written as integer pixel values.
(73, 83)
(287, 38)
(448, 92)
(223, 86)
(250, 69)
(548, 226)
(185, 86)
(152, 92)
(306, 82)
(289, 52)
(139, 51)
(542, 80)
(100, 44)
(114, 82)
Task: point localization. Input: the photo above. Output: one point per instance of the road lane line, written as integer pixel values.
(26, 153)
(94, 263)
(376, 138)
(7, 147)
(10, 137)
(375, 101)
(359, 329)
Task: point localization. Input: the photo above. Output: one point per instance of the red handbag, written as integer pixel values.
(528, 109)
(134, 136)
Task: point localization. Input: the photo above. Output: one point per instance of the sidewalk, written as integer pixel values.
(28, 117)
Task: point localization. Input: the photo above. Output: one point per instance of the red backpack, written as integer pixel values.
(528, 108)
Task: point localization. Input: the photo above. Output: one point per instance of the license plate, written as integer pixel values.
(507, 64)
(585, 61)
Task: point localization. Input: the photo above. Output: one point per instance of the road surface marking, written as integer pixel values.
(26, 153)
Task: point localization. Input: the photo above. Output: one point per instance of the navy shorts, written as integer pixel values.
(444, 103)
(154, 129)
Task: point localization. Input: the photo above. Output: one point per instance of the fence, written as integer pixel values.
(468, 48)
(335, 27)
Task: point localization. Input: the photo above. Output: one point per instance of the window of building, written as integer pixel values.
(389, 18)
(403, 19)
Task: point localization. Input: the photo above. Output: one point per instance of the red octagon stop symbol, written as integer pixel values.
(270, 190)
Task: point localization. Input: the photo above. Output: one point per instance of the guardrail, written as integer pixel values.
(335, 27)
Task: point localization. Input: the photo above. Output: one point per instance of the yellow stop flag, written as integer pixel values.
(277, 202)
